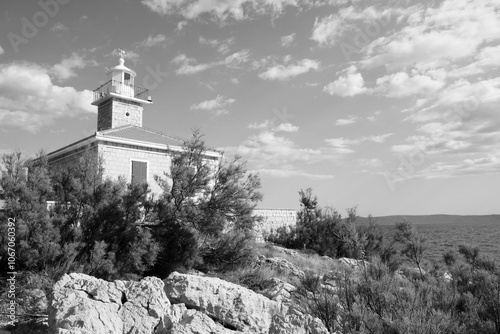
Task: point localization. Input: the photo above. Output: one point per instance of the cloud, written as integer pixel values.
(31, 101)
(400, 84)
(349, 83)
(153, 40)
(189, 66)
(344, 145)
(181, 25)
(267, 149)
(346, 121)
(1, 50)
(58, 27)
(486, 59)
(222, 10)
(65, 69)
(329, 30)
(436, 36)
(287, 40)
(223, 47)
(373, 117)
(286, 173)
(282, 72)
(216, 105)
(270, 125)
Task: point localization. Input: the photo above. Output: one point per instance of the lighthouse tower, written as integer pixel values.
(119, 102)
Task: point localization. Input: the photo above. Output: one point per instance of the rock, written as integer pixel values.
(195, 322)
(83, 304)
(232, 305)
(278, 290)
(295, 322)
(281, 265)
(353, 263)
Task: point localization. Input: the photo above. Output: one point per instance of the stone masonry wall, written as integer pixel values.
(118, 162)
(273, 219)
(113, 113)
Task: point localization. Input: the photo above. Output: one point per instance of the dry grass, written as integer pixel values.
(305, 262)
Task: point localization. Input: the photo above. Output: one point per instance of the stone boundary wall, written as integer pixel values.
(272, 219)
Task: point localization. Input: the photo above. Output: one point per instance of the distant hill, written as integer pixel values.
(433, 219)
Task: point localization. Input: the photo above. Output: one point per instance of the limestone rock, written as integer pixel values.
(196, 322)
(281, 265)
(83, 304)
(278, 290)
(232, 305)
(297, 324)
(353, 263)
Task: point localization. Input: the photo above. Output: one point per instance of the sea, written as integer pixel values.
(448, 236)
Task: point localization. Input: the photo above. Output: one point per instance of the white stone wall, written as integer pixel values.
(274, 219)
(118, 162)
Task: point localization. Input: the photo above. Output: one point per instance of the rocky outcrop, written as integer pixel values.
(232, 305)
(182, 304)
(238, 309)
(84, 304)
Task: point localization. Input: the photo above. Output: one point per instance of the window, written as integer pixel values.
(139, 172)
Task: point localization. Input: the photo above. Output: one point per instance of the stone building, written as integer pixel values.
(127, 148)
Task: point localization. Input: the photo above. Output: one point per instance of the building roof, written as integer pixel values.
(134, 135)
(131, 132)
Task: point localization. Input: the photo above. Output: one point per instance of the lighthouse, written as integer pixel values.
(119, 101)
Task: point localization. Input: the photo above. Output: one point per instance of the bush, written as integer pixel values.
(321, 230)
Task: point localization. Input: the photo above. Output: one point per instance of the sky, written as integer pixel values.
(390, 106)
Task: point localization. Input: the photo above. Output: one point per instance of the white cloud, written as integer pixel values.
(223, 46)
(58, 27)
(329, 30)
(287, 40)
(373, 117)
(190, 66)
(31, 101)
(181, 25)
(65, 69)
(222, 10)
(486, 59)
(153, 40)
(343, 145)
(436, 36)
(286, 173)
(281, 72)
(236, 59)
(402, 85)
(287, 127)
(349, 83)
(271, 125)
(267, 149)
(346, 121)
(1, 50)
(216, 105)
